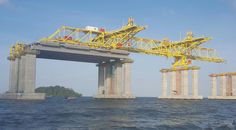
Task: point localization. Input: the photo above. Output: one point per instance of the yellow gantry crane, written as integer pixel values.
(124, 38)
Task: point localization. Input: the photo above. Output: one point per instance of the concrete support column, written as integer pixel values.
(108, 79)
(185, 82)
(11, 78)
(164, 83)
(101, 79)
(213, 86)
(22, 67)
(178, 83)
(223, 85)
(195, 82)
(27, 73)
(173, 83)
(30, 73)
(13, 75)
(229, 86)
(234, 85)
(113, 79)
(127, 78)
(118, 78)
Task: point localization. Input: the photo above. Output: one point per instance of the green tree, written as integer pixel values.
(58, 91)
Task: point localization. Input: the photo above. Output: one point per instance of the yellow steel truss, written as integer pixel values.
(124, 39)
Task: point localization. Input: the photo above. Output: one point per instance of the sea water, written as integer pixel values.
(86, 113)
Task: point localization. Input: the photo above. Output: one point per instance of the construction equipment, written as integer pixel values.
(17, 50)
(124, 38)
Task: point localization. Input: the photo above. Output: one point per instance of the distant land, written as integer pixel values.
(58, 91)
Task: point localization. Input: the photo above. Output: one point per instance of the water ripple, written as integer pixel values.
(139, 114)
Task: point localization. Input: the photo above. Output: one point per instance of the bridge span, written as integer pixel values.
(114, 69)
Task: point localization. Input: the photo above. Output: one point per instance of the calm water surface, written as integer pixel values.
(139, 114)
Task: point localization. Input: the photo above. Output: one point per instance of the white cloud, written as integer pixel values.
(2, 2)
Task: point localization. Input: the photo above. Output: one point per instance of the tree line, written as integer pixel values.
(58, 91)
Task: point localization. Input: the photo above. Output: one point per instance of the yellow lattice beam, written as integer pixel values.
(124, 39)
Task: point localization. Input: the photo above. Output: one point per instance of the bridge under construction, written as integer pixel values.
(110, 51)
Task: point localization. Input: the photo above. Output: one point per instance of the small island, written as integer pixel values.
(59, 91)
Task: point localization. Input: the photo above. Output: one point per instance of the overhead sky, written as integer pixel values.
(30, 20)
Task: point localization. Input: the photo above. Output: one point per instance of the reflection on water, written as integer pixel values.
(141, 113)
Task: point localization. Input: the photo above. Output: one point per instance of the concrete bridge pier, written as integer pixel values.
(179, 83)
(101, 79)
(114, 80)
(113, 75)
(227, 86)
(22, 78)
(127, 79)
(14, 63)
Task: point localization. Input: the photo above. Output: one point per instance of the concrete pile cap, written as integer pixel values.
(115, 61)
(223, 74)
(180, 69)
(127, 61)
(27, 50)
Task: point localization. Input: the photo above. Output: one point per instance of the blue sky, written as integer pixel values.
(30, 20)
